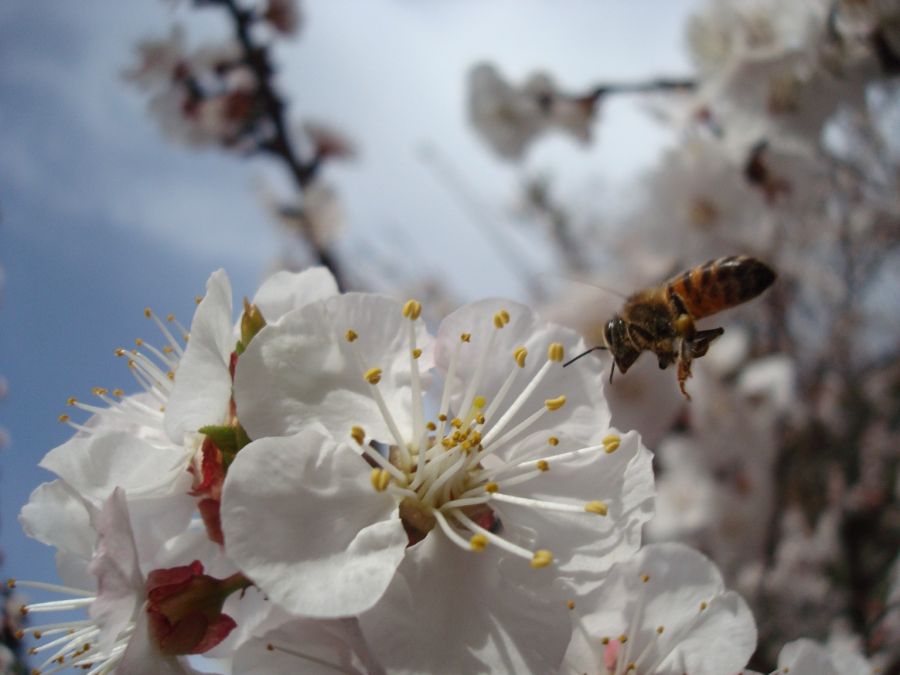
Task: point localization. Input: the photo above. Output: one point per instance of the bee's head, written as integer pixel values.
(619, 344)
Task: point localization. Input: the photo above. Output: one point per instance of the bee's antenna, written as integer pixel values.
(592, 349)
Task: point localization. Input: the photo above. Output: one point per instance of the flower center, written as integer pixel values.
(442, 473)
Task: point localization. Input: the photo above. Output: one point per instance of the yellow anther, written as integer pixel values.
(171, 375)
(605, 641)
(442, 417)
(660, 629)
(491, 487)
(120, 352)
(170, 318)
(570, 604)
(543, 465)
(596, 507)
(499, 321)
(456, 436)
(541, 558)
(416, 353)
(504, 315)
(148, 312)
(63, 418)
(167, 349)
(555, 403)
(479, 402)
(138, 342)
(10, 583)
(412, 309)
(71, 400)
(623, 639)
(631, 666)
(99, 391)
(553, 440)
(358, 434)
(465, 337)
(475, 437)
(556, 352)
(380, 479)
(373, 375)
(456, 422)
(703, 605)
(198, 299)
(431, 426)
(479, 418)
(131, 363)
(645, 578)
(351, 335)
(478, 542)
(118, 393)
(520, 354)
(447, 443)
(611, 443)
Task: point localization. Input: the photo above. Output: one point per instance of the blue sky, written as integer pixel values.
(101, 217)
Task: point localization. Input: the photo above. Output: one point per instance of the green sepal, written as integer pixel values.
(228, 439)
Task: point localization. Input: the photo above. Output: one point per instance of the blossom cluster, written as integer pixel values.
(783, 468)
(325, 485)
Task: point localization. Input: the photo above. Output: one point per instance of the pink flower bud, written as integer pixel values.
(185, 609)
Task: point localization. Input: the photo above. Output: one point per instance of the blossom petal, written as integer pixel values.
(94, 466)
(57, 516)
(310, 646)
(471, 610)
(588, 543)
(119, 581)
(303, 368)
(284, 291)
(302, 520)
(585, 412)
(670, 602)
(203, 382)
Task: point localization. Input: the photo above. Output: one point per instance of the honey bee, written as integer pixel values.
(661, 319)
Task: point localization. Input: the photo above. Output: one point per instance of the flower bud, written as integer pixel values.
(185, 608)
(252, 322)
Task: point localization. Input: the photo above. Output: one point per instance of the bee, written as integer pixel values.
(661, 319)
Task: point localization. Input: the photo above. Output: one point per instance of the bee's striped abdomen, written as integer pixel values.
(719, 284)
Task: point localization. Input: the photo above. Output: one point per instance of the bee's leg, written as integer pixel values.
(701, 340)
(684, 365)
(612, 371)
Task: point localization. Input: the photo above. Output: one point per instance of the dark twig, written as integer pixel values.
(659, 84)
(280, 144)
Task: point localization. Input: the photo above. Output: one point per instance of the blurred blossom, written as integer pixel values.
(285, 16)
(805, 657)
(686, 493)
(510, 118)
(665, 612)
(319, 216)
(327, 141)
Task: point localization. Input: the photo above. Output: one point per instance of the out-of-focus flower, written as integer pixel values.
(518, 462)
(686, 494)
(159, 60)
(327, 141)
(117, 634)
(314, 647)
(664, 612)
(509, 118)
(805, 657)
(285, 16)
